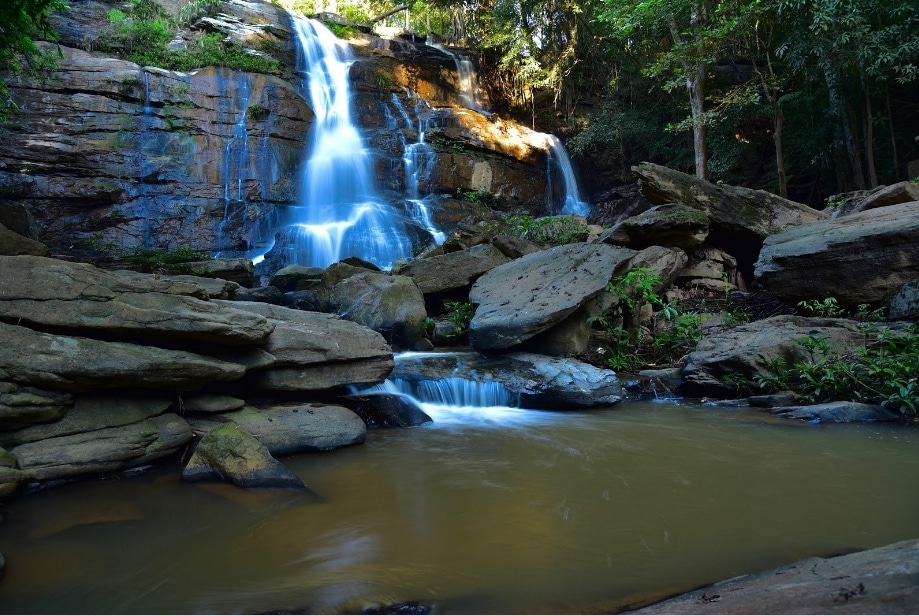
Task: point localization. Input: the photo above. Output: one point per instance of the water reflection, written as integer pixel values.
(570, 512)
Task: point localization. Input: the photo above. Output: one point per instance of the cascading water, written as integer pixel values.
(468, 82)
(339, 214)
(417, 158)
(571, 199)
(235, 163)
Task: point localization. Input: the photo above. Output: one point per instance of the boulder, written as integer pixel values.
(535, 381)
(739, 218)
(230, 453)
(882, 196)
(10, 481)
(311, 351)
(453, 271)
(268, 295)
(240, 271)
(740, 351)
(296, 278)
(53, 293)
(12, 243)
(516, 301)
(856, 259)
(904, 302)
(386, 410)
(103, 450)
(294, 428)
(214, 288)
(672, 225)
(210, 403)
(390, 305)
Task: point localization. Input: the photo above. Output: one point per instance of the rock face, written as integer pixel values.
(855, 259)
(110, 155)
(73, 401)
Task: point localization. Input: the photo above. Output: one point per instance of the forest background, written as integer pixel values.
(804, 98)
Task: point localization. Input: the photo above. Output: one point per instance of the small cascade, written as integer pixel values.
(457, 401)
(570, 199)
(235, 162)
(468, 80)
(146, 125)
(417, 157)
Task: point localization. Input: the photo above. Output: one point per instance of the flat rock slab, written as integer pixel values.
(835, 412)
(855, 259)
(882, 580)
(520, 299)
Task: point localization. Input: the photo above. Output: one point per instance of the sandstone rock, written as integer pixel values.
(21, 406)
(737, 351)
(291, 429)
(453, 271)
(514, 247)
(229, 453)
(856, 259)
(673, 225)
(386, 410)
(740, 218)
(310, 351)
(81, 364)
(267, 295)
(882, 196)
(835, 412)
(10, 481)
(213, 403)
(214, 288)
(49, 292)
(527, 296)
(904, 302)
(882, 580)
(104, 450)
(14, 244)
(92, 412)
(390, 305)
(296, 278)
(240, 271)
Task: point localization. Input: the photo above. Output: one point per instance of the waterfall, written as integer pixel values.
(339, 213)
(468, 81)
(571, 202)
(235, 162)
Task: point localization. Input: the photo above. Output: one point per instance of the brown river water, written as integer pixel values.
(483, 511)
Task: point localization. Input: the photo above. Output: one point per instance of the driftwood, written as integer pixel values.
(401, 7)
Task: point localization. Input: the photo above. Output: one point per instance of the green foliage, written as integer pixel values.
(196, 9)
(825, 308)
(21, 23)
(683, 334)
(153, 259)
(342, 31)
(621, 354)
(883, 372)
(479, 197)
(257, 113)
(552, 230)
(460, 314)
(141, 35)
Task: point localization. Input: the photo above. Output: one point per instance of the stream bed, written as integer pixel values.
(483, 511)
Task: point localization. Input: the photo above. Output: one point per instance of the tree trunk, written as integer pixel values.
(838, 109)
(779, 123)
(695, 83)
(869, 135)
(401, 7)
(893, 135)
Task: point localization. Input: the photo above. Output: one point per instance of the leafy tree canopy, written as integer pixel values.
(21, 23)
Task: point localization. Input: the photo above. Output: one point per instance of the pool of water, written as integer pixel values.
(483, 511)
